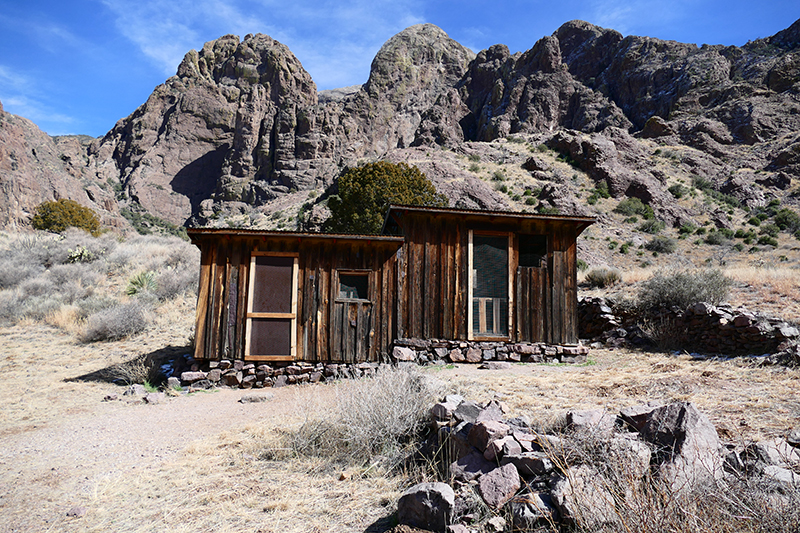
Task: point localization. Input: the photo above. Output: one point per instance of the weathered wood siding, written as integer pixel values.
(433, 278)
(328, 329)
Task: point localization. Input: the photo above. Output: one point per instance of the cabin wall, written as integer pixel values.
(328, 329)
(433, 279)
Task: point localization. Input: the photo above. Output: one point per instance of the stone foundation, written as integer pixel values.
(188, 372)
(239, 374)
(423, 351)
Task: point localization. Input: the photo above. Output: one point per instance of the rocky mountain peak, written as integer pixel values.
(240, 134)
(422, 56)
(788, 39)
(257, 60)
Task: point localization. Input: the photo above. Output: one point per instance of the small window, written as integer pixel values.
(353, 286)
(532, 250)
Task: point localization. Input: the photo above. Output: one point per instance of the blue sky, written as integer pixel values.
(78, 66)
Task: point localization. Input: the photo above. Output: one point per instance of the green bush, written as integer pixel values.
(56, 216)
(678, 190)
(634, 206)
(682, 288)
(661, 244)
(768, 241)
(715, 238)
(366, 192)
(603, 277)
(769, 229)
(651, 226)
(787, 220)
(687, 229)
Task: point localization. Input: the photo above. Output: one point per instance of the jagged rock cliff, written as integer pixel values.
(241, 129)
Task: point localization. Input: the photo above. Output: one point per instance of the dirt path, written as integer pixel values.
(59, 441)
(73, 456)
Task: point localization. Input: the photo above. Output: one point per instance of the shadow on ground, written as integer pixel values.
(145, 367)
(383, 524)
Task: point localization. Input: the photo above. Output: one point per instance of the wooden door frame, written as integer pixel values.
(292, 315)
(470, 282)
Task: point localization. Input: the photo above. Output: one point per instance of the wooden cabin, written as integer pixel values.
(434, 273)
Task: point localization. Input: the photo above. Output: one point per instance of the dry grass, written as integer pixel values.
(246, 478)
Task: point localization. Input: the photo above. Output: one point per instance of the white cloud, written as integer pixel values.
(335, 41)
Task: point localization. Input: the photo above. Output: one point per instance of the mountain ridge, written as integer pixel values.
(241, 133)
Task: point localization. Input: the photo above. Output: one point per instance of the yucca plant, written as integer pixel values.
(142, 282)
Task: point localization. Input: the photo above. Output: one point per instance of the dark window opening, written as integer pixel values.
(354, 286)
(532, 250)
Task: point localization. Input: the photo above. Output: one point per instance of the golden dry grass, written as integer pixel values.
(229, 473)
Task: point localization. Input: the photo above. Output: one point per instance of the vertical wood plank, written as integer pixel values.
(203, 296)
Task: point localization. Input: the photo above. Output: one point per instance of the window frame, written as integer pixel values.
(367, 273)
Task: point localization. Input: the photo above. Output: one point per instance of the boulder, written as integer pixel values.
(499, 486)
(590, 420)
(499, 448)
(483, 433)
(401, 353)
(426, 505)
(471, 467)
(530, 464)
(467, 411)
(581, 497)
(688, 449)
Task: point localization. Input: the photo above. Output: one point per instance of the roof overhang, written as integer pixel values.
(196, 234)
(395, 214)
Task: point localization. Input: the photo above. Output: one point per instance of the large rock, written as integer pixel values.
(688, 449)
(582, 497)
(471, 467)
(499, 486)
(427, 506)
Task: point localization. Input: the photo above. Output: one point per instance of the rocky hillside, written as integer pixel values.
(240, 135)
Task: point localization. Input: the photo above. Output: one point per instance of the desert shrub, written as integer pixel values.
(651, 226)
(787, 220)
(14, 271)
(661, 244)
(174, 282)
(372, 421)
(715, 237)
(10, 307)
(38, 286)
(117, 322)
(678, 190)
(366, 192)
(94, 304)
(603, 277)
(582, 265)
(769, 229)
(61, 214)
(767, 240)
(142, 282)
(687, 229)
(634, 206)
(682, 288)
(39, 306)
(86, 275)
